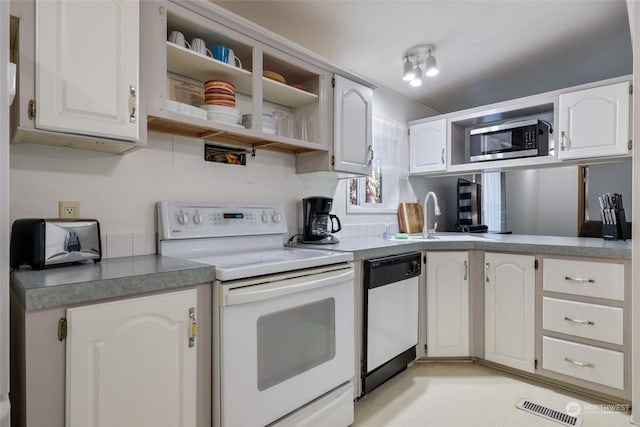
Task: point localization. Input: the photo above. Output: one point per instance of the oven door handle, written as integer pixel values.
(249, 294)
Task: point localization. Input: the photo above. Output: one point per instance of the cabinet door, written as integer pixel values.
(447, 304)
(129, 363)
(353, 127)
(595, 122)
(427, 146)
(509, 310)
(87, 67)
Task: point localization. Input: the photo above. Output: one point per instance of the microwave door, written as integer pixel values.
(497, 142)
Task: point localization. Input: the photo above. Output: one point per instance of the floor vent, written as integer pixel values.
(550, 414)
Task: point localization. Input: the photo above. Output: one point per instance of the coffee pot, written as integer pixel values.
(318, 222)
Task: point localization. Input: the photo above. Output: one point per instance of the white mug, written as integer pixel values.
(177, 38)
(233, 59)
(199, 46)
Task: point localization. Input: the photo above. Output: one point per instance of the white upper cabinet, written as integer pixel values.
(133, 362)
(428, 146)
(353, 127)
(595, 122)
(87, 67)
(78, 63)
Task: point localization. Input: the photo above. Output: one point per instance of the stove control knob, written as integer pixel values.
(266, 217)
(276, 217)
(183, 218)
(198, 218)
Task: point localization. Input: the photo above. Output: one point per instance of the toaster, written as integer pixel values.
(42, 243)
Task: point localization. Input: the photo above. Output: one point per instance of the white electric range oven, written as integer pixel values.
(283, 317)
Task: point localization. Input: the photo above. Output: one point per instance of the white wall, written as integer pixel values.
(121, 191)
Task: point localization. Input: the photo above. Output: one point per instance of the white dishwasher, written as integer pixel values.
(390, 330)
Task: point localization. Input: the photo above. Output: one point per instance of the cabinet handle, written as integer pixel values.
(372, 154)
(194, 327)
(579, 322)
(581, 364)
(466, 270)
(486, 272)
(579, 280)
(132, 104)
(563, 141)
(442, 156)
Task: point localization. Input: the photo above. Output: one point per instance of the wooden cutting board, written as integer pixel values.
(410, 217)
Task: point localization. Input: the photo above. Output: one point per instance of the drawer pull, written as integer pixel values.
(579, 280)
(578, 321)
(581, 364)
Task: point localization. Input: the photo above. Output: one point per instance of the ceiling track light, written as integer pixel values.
(413, 58)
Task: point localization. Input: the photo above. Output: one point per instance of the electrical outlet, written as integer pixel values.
(68, 209)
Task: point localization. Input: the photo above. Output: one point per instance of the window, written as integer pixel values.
(379, 192)
(494, 202)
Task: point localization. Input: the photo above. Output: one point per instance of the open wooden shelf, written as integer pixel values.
(178, 124)
(187, 63)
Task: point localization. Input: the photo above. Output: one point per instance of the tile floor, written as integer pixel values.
(465, 394)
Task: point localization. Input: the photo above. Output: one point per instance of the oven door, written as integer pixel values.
(284, 343)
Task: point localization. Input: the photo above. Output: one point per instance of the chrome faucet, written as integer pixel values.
(436, 211)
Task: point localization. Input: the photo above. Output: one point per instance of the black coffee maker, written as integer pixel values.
(318, 222)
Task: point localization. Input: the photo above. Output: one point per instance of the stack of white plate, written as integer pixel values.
(268, 123)
(221, 113)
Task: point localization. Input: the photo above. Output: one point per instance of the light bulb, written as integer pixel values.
(431, 67)
(408, 71)
(417, 80)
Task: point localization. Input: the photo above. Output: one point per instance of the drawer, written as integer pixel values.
(587, 278)
(592, 321)
(586, 362)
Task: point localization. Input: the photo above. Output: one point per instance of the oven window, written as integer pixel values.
(293, 341)
(496, 142)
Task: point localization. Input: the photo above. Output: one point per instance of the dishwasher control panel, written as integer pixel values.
(395, 268)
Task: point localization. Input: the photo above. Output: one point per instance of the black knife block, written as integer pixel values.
(617, 231)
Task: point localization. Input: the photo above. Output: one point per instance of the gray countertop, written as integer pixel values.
(374, 246)
(116, 277)
(129, 276)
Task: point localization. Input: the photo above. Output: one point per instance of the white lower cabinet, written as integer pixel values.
(509, 310)
(586, 362)
(591, 321)
(584, 335)
(132, 362)
(447, 304)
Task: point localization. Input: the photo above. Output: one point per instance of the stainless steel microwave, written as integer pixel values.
(524, 138)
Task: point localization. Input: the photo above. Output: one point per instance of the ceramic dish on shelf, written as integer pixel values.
(220, 108)
(235, 125)
(274, 76)
(230, 117)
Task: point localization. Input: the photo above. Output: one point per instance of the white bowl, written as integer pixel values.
(225, 117)
(221, 108)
